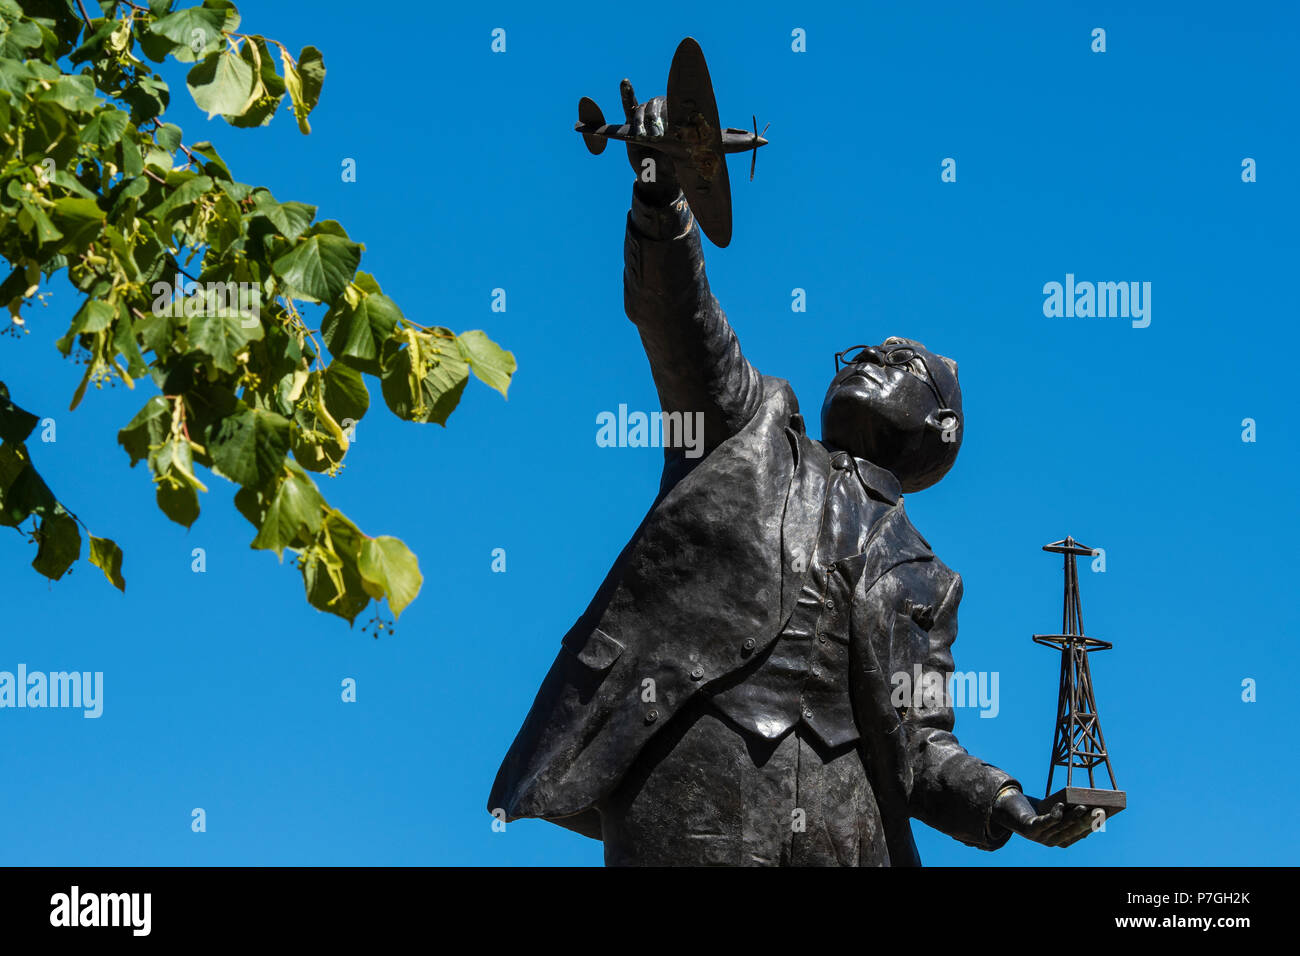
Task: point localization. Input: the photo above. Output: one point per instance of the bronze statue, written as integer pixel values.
(727, 697)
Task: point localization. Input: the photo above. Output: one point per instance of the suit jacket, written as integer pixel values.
(712, 574)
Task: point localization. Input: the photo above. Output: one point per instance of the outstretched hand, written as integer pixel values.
(1059, 826)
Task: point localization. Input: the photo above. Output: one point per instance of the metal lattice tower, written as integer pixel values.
(1078, 743)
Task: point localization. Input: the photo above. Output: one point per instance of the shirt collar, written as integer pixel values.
(879, 482)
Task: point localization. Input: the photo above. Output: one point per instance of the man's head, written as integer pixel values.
(898, 405)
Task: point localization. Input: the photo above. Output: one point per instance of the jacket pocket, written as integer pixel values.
(909, 644)
(598, 652)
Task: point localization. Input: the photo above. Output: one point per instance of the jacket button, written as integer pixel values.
(651, 715)
(748, 645)
(830, 605)
(697, 673)
(807, 713)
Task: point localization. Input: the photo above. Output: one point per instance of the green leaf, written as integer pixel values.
(92, 46)
(174, 462)
(268, 89)
(389, 569)
(128, 189)
(93, 316)
(74, 93)
(346, 395)
(155, 47)
(223, 83)
(178, 489)
(319, 442)
(182, 195)
(249, 446)
(329, 569)
(196, 31)
(178, 502)
(318, 268)
(290, 219)
(149, 428)
(38, 220)
(18, 39)
(215, 164)
(105, 130)
(13, 462)
(16, 424)
(107, 556)
(168, 137)
(294, 516)
(148, 96)
(223, 337)
(304, 83)
(311, 67)
(490, 362)
(80, 220)
(125, 343)
(59, 545)
(22, 490)
(313, 447)
(357, 325)
(423, 376)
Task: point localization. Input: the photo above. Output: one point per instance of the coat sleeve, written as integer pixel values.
(694, 354)
(952, 790)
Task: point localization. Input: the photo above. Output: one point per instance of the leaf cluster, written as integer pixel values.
(204, 287)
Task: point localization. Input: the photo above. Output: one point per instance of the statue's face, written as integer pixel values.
(898, 406)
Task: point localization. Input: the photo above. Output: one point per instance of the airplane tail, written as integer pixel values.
(589, 114)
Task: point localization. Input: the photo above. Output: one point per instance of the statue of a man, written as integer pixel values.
(729, 696)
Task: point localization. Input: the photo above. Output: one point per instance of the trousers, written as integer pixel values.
(705, 793)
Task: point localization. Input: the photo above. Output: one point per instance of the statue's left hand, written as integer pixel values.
(1060, 826)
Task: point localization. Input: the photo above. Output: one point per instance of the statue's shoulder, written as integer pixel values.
(776, 408)
(778, 391)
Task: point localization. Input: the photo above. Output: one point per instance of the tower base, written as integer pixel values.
(1112, 801)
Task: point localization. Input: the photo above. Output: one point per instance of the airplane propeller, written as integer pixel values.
(758, 141)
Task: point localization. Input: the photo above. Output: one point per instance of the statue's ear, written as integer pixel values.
(943, 420)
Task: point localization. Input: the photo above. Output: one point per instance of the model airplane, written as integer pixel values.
(693, 139)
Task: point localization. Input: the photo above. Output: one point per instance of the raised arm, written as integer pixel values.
(694, 355)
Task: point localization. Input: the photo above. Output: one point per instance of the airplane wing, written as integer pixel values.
(590, 117)
(692, 108)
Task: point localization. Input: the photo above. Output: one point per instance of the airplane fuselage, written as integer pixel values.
(678, 141)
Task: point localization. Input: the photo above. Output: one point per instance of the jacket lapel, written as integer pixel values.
(893, 541)
(803, 511)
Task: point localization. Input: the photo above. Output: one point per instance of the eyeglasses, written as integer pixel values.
(885, 355)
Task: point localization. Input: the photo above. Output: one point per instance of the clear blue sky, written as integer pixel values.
(223, 689)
